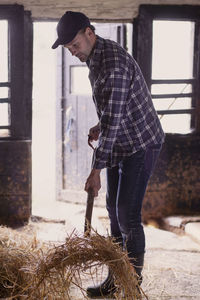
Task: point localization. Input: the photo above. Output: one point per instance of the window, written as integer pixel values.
(172, 73)
(15, 72)
(167, 51)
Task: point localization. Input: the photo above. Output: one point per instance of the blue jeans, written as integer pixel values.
(126, 185)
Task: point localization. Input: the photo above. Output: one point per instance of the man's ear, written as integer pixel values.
(89, 31)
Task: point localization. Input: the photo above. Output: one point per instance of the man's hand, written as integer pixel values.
(94, 133)
(93, 182)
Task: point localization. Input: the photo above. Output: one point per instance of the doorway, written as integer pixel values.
(60, 159)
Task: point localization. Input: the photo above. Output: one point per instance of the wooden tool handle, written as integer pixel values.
(88, 213)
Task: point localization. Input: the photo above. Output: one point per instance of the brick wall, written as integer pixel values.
(174, 188)
(100, 10)
(15, 182)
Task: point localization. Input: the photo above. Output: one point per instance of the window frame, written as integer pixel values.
(142, 51)
(20, 35)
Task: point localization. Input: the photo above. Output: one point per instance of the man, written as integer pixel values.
(129, 134)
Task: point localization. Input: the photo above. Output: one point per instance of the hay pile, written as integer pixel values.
(32, 271)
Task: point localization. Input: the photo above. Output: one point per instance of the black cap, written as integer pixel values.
(68, 26)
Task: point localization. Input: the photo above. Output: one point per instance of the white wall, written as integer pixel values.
(44, 112)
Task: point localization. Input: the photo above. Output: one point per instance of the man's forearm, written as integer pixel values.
(95, 172)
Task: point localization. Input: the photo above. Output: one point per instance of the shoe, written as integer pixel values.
(106, 289)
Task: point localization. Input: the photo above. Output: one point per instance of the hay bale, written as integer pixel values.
(33, 271)
(17, 250)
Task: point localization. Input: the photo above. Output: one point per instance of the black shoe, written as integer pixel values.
(105, 289)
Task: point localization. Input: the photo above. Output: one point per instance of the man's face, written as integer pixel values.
(81, 46)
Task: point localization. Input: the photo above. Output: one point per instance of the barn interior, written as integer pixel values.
(46, 112)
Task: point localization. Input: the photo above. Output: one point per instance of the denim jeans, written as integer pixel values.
(126, 185)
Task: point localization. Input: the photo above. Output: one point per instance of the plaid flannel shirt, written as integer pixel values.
(127, 118)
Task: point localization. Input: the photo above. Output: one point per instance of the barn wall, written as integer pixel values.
(15, 182)
(174, 188)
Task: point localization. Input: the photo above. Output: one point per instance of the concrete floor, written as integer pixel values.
(172, 262)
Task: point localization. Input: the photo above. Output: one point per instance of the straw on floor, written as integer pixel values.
(29, 270)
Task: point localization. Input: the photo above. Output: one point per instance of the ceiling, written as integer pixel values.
(123, 10)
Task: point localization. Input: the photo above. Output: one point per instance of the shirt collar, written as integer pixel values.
(95, 59)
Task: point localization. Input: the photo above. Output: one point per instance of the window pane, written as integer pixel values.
(172, 103)
(176, 123)
(4, 114)
(4, 92)
(80, 84)
(173, 43)
(4, 50)
(4, 132)
(171, 88)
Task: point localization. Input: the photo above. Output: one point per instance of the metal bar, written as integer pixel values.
(4, 100)
(4, 84)
(159, 96)
(175, 111)
(4, 127)
(172, 81)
